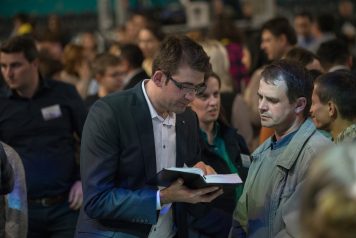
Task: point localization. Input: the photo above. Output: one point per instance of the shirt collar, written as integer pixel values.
(170, 120)
(216, 130)
(43, 84)
(282, 142)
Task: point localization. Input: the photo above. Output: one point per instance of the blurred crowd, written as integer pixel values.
(324, 44)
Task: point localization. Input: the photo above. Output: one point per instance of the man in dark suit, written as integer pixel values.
(132, 58)
(131, 135)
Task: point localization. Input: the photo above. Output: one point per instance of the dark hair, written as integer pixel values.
(339, 87)
(314, 73)
(156, 30)
(303, 56)
(326, 22)
(305, 14)
(280, 26)
(176, 51)
(133, 54)
(103, 61)
(333, 52)
(21, 44)
(297, 78)
(224, 28)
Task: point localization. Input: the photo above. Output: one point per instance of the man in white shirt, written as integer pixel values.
(130, 136)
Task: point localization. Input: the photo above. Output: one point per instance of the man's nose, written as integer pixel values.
(213, 101)
(262, 105)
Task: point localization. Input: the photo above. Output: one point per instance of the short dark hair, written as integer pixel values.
(333, 52)
(305, 14)
(297, 78)
(133, 54)
(280, 26)
(103, 61)
(326, 22)
(303, 56)
(339, 87)
(176, 51)
(21, 44)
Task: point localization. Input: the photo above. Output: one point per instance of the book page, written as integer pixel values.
(223, 178)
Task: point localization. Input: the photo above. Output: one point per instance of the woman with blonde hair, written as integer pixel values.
(329, 198)
(76, 68)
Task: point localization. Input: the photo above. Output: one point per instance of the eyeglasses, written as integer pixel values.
(186, 88)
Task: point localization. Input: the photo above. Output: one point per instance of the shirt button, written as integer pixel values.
(164, 146)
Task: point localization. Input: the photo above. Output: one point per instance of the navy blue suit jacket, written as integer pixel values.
(118, 158)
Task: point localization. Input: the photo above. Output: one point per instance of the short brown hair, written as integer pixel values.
(21, 44)
(103, 61)
(176, 51)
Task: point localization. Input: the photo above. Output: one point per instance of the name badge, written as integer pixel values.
(51, 112)
(246, 160)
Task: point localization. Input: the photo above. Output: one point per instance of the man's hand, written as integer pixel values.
(177, 192)
(206, 168)
(76, 195)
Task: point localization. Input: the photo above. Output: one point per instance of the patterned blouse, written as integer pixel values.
(348, 134)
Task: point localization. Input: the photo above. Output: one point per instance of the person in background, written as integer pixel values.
(89, 41)
(134, 24)
(107, 71)
(6, 186)
(149, 40)
(335, 55)
(22, 25)
(306, 58)
(42, 120)
(131, 135)
(224, 30)
(328, 206)
(16, 212)
(223, 149)
(269, 204)
(132, 59)
(230, 101)
(76, 69)
(303, 22)
(334, 104)
(323, 30)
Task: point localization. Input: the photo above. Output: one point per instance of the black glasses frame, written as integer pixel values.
(188, 89)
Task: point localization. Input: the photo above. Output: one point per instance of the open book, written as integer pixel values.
(194, 178)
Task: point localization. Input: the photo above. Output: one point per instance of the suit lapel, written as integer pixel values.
(144, 127)
(181, 133)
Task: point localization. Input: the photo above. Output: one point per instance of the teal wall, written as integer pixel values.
(9, 8)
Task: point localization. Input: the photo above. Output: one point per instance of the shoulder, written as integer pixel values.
(57, 84)
(11, 154)
(317, 141)
(123, 98)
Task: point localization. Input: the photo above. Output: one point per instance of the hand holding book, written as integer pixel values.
(194, 178)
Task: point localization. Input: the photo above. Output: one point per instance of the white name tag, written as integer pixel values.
(246, 160)
(51, 112)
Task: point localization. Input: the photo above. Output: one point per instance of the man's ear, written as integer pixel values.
(283, 39)
(159, 78)
(300, 105)
(332, 109)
